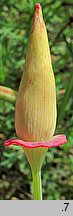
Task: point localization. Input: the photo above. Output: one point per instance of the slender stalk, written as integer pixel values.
(37, 187)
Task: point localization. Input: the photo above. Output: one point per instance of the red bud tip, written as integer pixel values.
(37, 6)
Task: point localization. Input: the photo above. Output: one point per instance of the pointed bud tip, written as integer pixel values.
(37, 13)
(37, 6)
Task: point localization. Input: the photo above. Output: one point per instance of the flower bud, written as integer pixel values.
(35, 114)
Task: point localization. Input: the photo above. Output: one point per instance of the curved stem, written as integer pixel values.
(37, 187)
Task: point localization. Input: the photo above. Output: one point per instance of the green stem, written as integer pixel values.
(37, 187)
